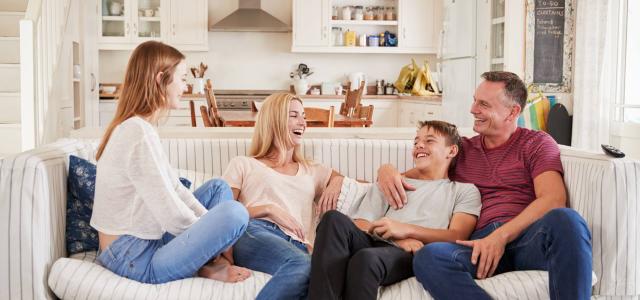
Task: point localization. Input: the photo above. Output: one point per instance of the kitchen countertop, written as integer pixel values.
(435, 99)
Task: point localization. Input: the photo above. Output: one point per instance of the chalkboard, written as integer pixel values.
(549, 44)
(549, 41)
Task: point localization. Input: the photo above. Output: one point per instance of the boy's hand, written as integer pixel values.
(409, 245)
(390, 229)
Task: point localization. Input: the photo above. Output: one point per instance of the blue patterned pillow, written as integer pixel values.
(81, 187)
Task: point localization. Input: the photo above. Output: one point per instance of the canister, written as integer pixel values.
(349, 38)
(373, 40)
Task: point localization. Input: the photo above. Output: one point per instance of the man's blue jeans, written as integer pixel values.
(559, 243)
(172, 258)
(265, 248)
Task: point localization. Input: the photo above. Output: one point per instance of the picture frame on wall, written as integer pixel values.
(549, 43)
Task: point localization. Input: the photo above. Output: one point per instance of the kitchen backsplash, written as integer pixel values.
(250, 60)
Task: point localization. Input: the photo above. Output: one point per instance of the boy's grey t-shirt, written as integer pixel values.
(431, 205)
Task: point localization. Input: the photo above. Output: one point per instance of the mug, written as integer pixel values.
(116, 8)
(148, 12)
(77, 71)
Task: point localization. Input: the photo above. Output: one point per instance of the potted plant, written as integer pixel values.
(299, 76)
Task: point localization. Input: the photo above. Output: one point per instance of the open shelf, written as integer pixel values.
(363, 23)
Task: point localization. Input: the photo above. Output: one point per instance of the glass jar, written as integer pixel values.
(358, 13)
(379, 13)
(338, 37)
(381, 41)
(346, 12)
(368, 13)
(334, 12)
(390, 13)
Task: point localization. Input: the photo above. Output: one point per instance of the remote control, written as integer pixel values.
(612, 151)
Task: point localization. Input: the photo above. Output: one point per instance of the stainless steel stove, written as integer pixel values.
(240, 99)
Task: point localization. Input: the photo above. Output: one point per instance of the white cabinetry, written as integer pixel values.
(384, 112)
(126, 23)
(188, 26)
(411, 112)
(310, 23)
(177, 117)
(419, 25)
(415, 24)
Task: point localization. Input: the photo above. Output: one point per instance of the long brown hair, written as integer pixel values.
(271, 133)
(141, 94)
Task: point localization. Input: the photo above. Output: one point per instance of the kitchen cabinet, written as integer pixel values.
(384, 112)
(316, 25)
(180, 117)
(188, 27)
(126, 23)
(419, 25)
(412, 112)
(310, 23)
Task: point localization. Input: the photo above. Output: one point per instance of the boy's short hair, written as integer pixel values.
(448, 131)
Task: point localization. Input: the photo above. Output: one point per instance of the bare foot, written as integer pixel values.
(220, 269)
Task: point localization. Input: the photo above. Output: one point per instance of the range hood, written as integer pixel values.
(250, 17)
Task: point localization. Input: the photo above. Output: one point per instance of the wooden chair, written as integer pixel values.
(324, 116)
(352, 99)
(212, 106)
(192, 109)
(366, 113)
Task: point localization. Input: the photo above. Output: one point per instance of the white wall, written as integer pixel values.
(256, 60)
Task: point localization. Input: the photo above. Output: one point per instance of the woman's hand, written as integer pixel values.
(284, 219)
(329, 198)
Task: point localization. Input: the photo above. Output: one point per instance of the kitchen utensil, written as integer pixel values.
(355, 78)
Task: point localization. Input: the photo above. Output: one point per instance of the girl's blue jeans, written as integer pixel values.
(172, 258)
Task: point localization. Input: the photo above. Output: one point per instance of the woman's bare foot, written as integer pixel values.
(220, 269)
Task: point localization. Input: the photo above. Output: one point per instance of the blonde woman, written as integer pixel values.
(151, 228)
(279, 188)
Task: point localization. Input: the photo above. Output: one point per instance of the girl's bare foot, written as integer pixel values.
(220, 269)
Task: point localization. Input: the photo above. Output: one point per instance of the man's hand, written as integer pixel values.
(392, 186)
(486, 253)
(329, 198)
(390, 229)
(409, 245)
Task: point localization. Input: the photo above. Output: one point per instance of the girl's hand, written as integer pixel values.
(329, 198)
(284, 219)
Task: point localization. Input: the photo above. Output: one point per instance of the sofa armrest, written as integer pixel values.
(33, 186)
(605, 192)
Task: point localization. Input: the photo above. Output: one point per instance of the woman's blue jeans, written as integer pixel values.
(172, 258)
(265, 248)
(559, 242)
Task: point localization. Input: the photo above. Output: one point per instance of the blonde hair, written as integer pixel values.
(271, 132)
(141, 94)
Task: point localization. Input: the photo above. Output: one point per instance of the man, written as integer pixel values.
(353, 258)
(524, 223)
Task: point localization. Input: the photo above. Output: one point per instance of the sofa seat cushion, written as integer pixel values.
(79, 277)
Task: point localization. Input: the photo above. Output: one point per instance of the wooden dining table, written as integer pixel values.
(246, 118)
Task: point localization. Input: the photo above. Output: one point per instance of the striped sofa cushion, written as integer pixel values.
(80, 278)
(33, 197)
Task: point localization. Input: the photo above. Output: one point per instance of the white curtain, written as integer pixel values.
(596, 59)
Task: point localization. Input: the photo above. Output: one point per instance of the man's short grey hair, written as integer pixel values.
(514, 87)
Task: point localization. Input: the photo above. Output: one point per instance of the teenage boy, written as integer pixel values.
(352, 259)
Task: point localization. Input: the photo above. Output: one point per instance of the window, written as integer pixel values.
(628, 110)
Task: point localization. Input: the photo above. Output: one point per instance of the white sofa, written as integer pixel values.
(33, 200)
